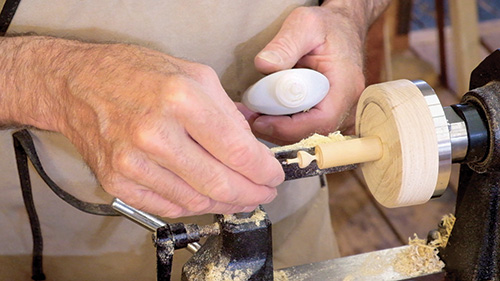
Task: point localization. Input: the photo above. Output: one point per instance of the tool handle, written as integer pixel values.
(347, 152)
(287, 92)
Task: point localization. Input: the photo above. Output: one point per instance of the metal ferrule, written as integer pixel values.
(442, 134)
(144, 219)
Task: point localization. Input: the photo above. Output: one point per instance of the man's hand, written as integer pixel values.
(328, 39)
(159, 133)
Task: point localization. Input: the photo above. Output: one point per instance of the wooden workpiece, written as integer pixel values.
(398, 114)
(341, 153)
(397, 145)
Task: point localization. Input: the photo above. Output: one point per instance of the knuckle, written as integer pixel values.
(153, 140)
(222, 193)
(142, 138)
(131, 166)
(287, 45)
(241, 156)
(122, 162)
(204, 72)
(307, 15)
(176, 89)
(204, 75)
(180, 101)
(179, 97)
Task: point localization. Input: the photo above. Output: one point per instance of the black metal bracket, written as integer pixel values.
(169, 238)
(473, 250)
(242, 251)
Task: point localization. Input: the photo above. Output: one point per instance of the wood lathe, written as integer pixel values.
(403, 132)
(405, 144)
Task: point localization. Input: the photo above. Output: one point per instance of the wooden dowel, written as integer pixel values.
(347, 152)
(341, 153)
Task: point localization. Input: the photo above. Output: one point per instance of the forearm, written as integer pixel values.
(31, 92)
(361, 13)
(42, 78)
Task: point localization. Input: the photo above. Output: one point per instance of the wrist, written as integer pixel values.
(30, 82)
(359, 13)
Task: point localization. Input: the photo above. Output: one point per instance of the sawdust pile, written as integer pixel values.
(312, 141)
(258, 218)
(422, 257)
(218, 272)
(280, 276)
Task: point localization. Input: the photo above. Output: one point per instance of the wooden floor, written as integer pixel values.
(363, 225)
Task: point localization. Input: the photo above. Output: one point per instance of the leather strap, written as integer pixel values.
(25, 150)
(7, 14)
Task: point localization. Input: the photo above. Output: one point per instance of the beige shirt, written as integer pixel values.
(225, 35)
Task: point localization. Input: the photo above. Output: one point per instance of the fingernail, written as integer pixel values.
(271, 57)
(263, 128)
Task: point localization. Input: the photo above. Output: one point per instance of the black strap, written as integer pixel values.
(25, 141)
(24, 149)
(8, 11)
(36, 231)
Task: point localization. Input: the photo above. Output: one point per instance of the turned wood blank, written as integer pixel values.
(396, 112)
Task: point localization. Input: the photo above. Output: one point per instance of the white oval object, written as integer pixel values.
(287, 92)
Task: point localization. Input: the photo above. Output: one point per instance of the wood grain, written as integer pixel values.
(398, 114)
(348, 152)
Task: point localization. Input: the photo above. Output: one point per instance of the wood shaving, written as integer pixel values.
(280, 276)
(312, 141)
(421, 257)
(258, 218)
(447, 225)
(218, 272)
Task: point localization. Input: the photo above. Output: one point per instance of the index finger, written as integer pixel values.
(226, 135)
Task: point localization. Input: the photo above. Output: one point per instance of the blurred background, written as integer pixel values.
(439, 42)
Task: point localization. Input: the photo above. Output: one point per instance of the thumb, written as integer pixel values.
(291, 43)
(281, 53)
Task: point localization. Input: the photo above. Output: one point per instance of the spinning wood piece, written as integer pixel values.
(341, 153)
(410, 122)
(404, 144)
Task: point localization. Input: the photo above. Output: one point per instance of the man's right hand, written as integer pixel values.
(159, 132)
